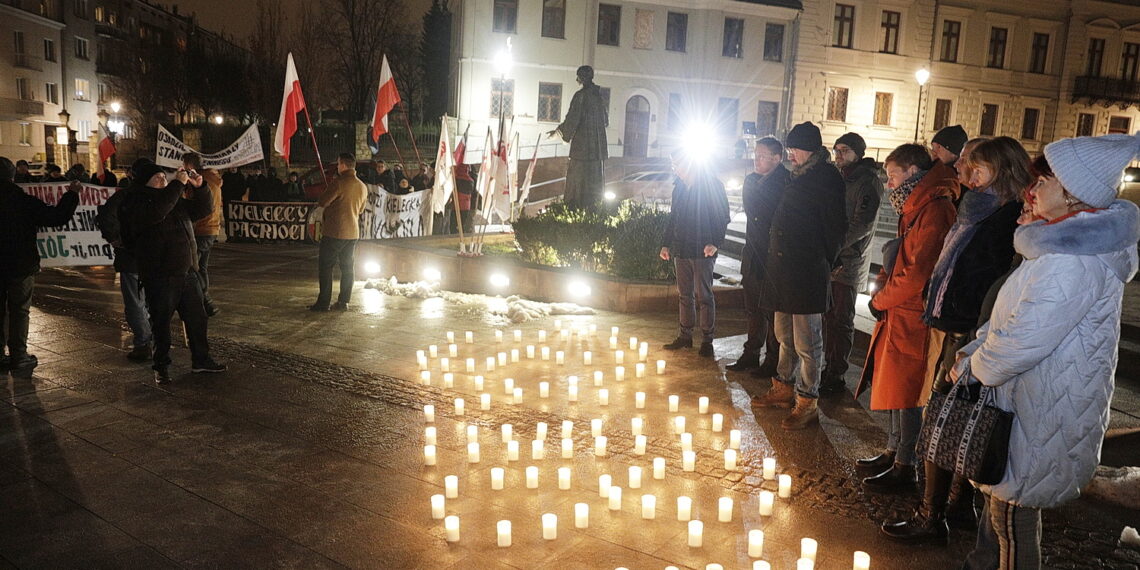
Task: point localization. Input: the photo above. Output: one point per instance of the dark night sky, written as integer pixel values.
(236, 17)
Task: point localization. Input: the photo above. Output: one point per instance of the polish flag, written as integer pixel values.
(444, 171)
(106, 144)
(386, 99)
(292, 103)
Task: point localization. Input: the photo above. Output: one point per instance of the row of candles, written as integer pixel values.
(515, 356)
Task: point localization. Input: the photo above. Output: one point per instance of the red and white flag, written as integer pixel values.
(524, 190)
(292, 103)
(444, 183)
(387, 97)
(106, 144)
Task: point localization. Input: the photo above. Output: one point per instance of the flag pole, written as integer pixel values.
(399, 156)
(316, 149)
(408, 124)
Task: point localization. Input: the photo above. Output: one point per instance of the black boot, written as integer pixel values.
(899, 477)
(876, 464)
(830, 385)
(679, 343)
(928, 523)
(767, 368)
(747, 361)
(960, 511)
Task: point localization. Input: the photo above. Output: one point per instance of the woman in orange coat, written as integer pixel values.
(922, 194)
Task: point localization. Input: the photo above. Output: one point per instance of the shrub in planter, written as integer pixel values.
(637, 243)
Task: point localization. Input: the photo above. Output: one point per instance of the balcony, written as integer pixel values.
(26, 61)
(16, 109)
(1107, 90)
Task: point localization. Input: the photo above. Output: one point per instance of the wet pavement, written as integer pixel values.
(309, 451)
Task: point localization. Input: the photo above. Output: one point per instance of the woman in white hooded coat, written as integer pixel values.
(1050, 347)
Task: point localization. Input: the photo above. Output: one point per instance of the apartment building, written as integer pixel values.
(31, 65)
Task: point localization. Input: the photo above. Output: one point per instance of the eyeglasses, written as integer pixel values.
(767, 156)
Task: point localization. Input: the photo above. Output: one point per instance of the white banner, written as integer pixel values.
(79, 241)
(388, 215)
(245, 150)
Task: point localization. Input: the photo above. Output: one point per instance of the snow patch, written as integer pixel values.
(516, 309)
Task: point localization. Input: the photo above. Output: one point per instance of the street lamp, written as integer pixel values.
(921, 76)
(218, 119)
(116, 106)
(504, 61)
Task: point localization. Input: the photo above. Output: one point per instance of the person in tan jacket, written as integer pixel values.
(206, 230)
(343, 202)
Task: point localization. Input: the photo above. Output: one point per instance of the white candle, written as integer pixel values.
(498, 336)
(659, 468)
(660, 366)
(437, 506)
(619, 373)
(532, 477)
(730, 460)
(674, 402)
(470, 365)
(755, 543)
(785, 489)
(508, 432)
(452, 350)
(639, 400)
(564, 478)
(567, 448)
(478, 381)
(679, 425)
(502, 356)
(696, 534)
(433, 350)
(537, 449)
(603, 397)
(451, 525)
(596, 427)
(544, 389)
(724, 509)
(420, 355)
(448, 380)
(686, 441)
(469, 337)
(545, 353)
(805, 564)
(639, 442)
(567, 429)
(497, 478)
(604, 484)
(633, 343)
(572, 380)
(518, 335)
(862, 561)
(508, 386)
(512, 450)
(643, 351)
(429, 454)
(597, 377)
(450, 336)
(734, 439)
(717, 422)
(444, 365)
(689, 460)
(648, 507)
(572, 393)
(769, 468)
(504, 533)
(703, 405)
(530, 351)
(557, 324)
(614, 331)
(684, 508)
(808, 548)
(430, 435)
(615, 498)
(600, 446)
(639, 370)
(613, 342)
(517, 396)
(761, 565)
(581, 515)
(484, 401)
(451, 486)
(423, 362)
(459, 406)
(490, 364)
(619, 357)
(425, 377)
(766, 501)
(540, 431)
(514, 355)
(473, 452)
(549, 526)
(587, 358)
(560, 357)
(472, 433)
(636, 425)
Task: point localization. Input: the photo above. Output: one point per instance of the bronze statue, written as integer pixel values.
(585, 130)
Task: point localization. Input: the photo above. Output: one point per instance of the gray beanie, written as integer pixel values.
(1090, 167)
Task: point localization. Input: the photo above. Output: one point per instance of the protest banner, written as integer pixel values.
(246, 149)
(78, 242)
(388, 215)
(267, 221)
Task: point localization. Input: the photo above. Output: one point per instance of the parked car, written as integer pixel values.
(644, 186)
(314, 183)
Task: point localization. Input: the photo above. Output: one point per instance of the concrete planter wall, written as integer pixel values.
(407, 258)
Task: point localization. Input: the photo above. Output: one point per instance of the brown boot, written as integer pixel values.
(803, 415)
(780, 395)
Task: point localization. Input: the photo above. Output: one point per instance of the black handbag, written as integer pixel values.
(963, 433)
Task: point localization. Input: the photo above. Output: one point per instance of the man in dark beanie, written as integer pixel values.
(805, 239)
(157, 227)
(945, 148)
(864, 181)
(585, 130)
(21, 214)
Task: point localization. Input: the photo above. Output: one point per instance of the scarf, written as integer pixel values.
(974, 207)
(899, 195)
(817, 157)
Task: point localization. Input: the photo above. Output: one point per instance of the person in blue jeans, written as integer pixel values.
(698, 219)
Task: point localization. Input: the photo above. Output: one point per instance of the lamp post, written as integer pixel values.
(504, 60)
(921, 76)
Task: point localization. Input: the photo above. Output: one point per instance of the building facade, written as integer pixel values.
(32, 92)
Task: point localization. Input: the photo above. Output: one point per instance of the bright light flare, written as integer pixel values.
(578, 289)
(433, 275)
(922, 76)
(699, 141)
(218, 119)
(609, 195)
(371, 267)
(499, 280)
(116, 106)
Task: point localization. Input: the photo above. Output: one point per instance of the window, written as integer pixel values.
(550, 102)
(1029, 124)
(1119, 125)
(1085, 124)
(51, 93)
(1129, 59)
(100, 14)
(942, 110)
(1039, 54)
(103, 92)
(502, 96)
(81, 48)
(80, 7)
(773, 42)
(951, 32)
(26, 134)
(49, 50)
(843, 34)
(554, 19)
(891, 22)
(988, 127)
(82, 90)
(728, 113)
(83, 130)
(837, 104)
(1096, 57)
(766, 116)
(676, 31)
(506, 16)
(609, 25)
(996, 58)
(733, 38)
(18, 42)
(24, 89)
(884, 103)
(676, 111)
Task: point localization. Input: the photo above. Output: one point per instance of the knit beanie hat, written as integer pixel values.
(854, 142)
(1090, 167)
(144, 172)
(952, 137)
(805, 136)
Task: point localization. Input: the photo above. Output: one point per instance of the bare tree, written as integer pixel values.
(267, 63)
(314, 62)
(360, 32)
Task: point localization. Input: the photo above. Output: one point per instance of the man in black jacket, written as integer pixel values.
(807, 232)
(698, 218)
(157, 227)
(763, 190)
(20, 216)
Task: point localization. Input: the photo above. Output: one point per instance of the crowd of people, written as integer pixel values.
(1006, 273)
